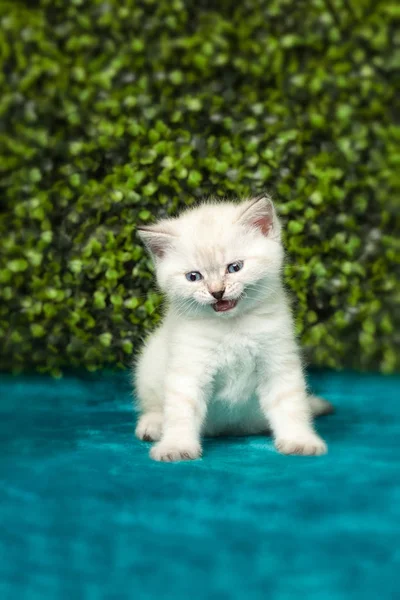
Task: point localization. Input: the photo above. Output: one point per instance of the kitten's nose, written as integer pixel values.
(218, 295)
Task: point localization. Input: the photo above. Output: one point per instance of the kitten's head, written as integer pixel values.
(219, 258)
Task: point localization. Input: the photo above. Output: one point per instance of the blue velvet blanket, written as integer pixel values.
(85, 514)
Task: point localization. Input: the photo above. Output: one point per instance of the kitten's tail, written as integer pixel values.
(320, 407)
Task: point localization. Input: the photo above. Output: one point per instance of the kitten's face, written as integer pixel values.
(218, 259)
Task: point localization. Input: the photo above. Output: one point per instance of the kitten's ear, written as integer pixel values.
(260, 213)
(158, 237)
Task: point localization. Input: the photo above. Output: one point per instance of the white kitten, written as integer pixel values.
(225, 359)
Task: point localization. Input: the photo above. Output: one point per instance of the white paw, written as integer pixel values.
(305, 445)
(149, 427)
(166, 451)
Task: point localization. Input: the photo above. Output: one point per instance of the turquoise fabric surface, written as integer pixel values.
(86, 515)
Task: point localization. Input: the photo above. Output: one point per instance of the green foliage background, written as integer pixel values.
(114, 111)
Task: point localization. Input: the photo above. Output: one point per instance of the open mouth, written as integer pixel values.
(224, 305)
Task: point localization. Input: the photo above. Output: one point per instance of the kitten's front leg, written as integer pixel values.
(184, 412)
(284, 402)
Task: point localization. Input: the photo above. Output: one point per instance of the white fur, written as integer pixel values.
(212, 373)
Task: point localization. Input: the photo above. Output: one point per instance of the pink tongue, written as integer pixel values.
(224, 305)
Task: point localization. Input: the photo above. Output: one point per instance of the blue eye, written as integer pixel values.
(235, 267)
(194, 276)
